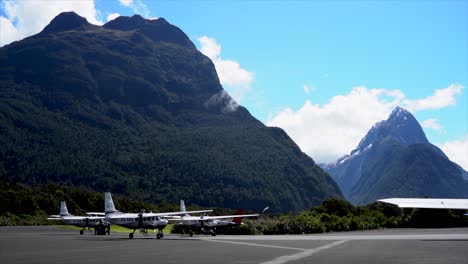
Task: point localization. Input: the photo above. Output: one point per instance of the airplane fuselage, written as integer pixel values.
(80, 221)
(207, 223)
(132, 221)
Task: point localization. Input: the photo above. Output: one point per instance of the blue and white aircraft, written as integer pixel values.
(141, 221)
(93, 220)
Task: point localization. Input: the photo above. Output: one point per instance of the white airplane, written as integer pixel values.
(208, 224)
(141, 221)
(461, 204)
(94, 220)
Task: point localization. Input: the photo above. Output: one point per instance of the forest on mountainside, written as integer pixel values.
(134, 108)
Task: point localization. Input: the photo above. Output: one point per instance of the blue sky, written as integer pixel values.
(299, 62)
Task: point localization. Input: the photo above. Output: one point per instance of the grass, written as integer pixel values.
(116, 228)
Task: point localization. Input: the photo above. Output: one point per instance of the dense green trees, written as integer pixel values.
(23, 205)
(339, 215)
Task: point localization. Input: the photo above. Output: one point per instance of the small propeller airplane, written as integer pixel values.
(139, 221)
(208, 224)
(93, 220)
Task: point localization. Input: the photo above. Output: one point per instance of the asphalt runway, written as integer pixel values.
(49, 244)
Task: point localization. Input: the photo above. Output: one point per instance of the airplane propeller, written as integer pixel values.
(202, 223)
(140, 218)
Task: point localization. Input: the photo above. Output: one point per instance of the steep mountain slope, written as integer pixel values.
(395, 159)
(133, 108)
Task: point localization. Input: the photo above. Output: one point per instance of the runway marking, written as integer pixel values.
(255, 244)
(303, 254)
(346, 237)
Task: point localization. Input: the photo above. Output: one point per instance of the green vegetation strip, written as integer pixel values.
(114, 228)
(22, 205)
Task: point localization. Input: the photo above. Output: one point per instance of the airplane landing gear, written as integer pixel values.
(131, 234)
(191, 233)
(160, 234)
(81, 232)
(143, 231)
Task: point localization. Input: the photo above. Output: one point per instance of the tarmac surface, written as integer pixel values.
(48, 244)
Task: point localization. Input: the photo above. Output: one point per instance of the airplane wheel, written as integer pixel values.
(158, 236)
(191, 233)
(81, 232)
(162, 235)
(213, 234)
(130, 235)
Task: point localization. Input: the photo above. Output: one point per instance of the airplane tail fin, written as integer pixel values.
(182, 206)
(108, 203)
(238, 220)
(63, 209)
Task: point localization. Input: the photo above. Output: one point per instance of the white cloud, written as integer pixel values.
(230, 72)
(126, 2)
(112, 16)
(432, 123)
(27, 17)
(440, 99)
(329, 131)
(137, 6)
(457, 151)
(309, 88)
(8, 32)
(209, 47)
(223, 98)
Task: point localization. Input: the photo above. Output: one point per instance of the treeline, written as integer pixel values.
(339, 215)
(25, 205)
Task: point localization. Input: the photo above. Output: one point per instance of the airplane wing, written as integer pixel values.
(205, 218)
(162, 215)
(178, 213)
(94, 217)
(95, 213)
(75, 217)
(428, 203)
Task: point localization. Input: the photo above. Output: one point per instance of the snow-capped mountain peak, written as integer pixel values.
(400, 126)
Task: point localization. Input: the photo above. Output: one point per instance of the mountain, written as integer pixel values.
(395, 159)
(134, 108)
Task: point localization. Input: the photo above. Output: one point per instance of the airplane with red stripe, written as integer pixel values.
(208, 224)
